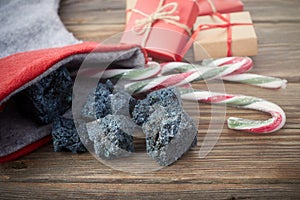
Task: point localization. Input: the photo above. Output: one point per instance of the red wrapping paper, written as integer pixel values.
(222, 6)
(165, 41)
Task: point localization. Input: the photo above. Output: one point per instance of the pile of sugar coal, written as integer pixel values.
(170, 132)
(48, 98)
(111, 116)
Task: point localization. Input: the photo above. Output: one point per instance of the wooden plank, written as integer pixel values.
(95, 33)
(275, 11)
(237, 158)
(147, 191)
(97, 11)
(77, 6)
(92, 14)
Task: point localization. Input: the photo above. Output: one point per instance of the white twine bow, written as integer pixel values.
(143, 26)
(212, 5)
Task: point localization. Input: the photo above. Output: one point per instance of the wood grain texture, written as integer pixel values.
(241, 166)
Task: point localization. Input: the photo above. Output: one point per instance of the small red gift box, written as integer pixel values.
(162, 27)
(207, 7)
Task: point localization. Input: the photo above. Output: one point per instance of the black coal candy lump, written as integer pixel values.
(65, 137)
(98, 103)
(106, 99)
(112, 136)
(122, 103)
(164, 97)
(170, 132)
(48, 98)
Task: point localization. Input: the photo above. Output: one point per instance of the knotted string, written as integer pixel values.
(143, 26)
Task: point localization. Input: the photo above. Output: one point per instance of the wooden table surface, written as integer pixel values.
(241, 166)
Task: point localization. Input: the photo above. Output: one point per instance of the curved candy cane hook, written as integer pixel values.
(254, 126)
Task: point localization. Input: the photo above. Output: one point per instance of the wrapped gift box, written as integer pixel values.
(221, 6)
(219, 38)
(165, 40)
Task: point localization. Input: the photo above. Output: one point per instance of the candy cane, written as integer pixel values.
(202, 74)
(254, 126)
(257, 80)
(152, 69)
(242, 66)
(228, 69)
(247, 64)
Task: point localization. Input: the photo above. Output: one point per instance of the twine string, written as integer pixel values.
(162, 12)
